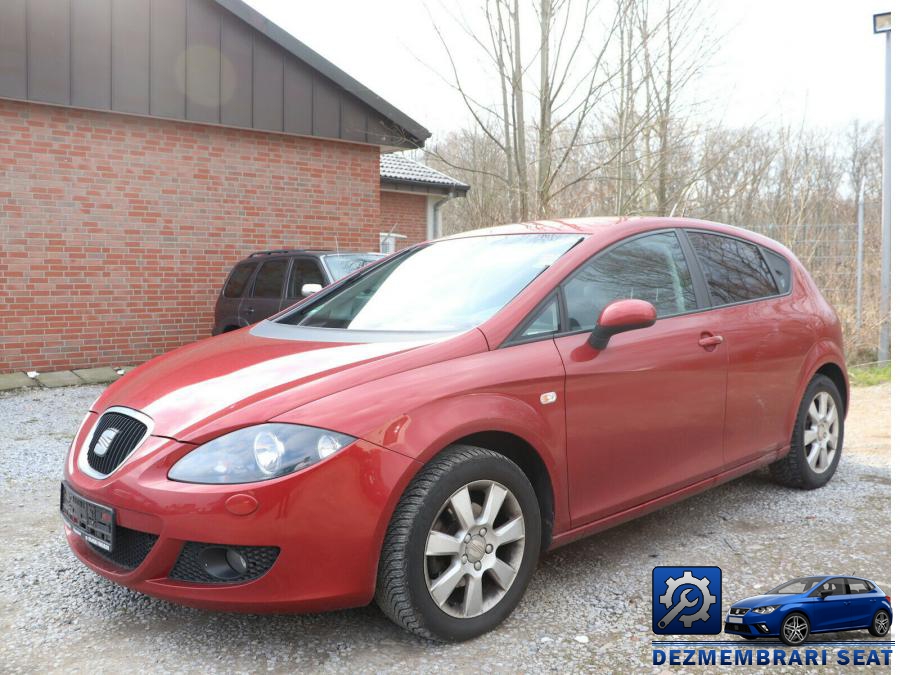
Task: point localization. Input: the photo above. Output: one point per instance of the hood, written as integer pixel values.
(763, 600)
(239, 378)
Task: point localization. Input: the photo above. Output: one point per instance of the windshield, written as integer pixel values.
(795, 586)
(451, 285)
(342, 264)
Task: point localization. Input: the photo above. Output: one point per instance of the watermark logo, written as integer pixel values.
(687, 600)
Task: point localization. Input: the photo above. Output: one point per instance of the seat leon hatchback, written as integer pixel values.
(419, 431)
(799, 607)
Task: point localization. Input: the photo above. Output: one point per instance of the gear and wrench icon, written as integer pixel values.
(702, 584)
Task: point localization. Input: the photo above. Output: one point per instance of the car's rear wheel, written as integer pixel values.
(794, 629)
(881, 622)
(817, 439)
(461, 546)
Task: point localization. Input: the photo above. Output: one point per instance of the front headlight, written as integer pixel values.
(258, 453)
(767, 609)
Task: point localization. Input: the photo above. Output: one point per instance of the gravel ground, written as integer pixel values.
(587, 608)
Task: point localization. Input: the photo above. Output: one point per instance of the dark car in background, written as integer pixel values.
(268, 281)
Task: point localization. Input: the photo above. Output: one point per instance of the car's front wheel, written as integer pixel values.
(794, 629)
(817, 439)
(461, 546)
(881, 622)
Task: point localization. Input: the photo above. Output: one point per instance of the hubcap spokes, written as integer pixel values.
(881, 624)
(474, 549)
(795, 629)
(821, 432)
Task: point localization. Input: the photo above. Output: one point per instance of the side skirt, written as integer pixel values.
(607, 522)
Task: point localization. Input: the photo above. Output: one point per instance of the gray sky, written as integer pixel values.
(812, 62)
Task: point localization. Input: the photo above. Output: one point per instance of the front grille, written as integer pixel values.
(189, 566)
(126, 432)
(738, 611)
(130, 549)
(737, 627)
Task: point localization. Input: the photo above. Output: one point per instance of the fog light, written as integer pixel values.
(223, 563)
(763, 628)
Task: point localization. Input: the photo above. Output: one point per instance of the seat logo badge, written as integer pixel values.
(105, 440)
(548, 398)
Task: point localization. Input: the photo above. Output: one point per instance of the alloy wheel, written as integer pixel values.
(821, 432)
(474, 549)
(795, 629)
(882, 622)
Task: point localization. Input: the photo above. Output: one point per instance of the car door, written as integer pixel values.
(863, 601)
(266, 295)
(768, 334)
(644, 416)
(832, 611)
(304, 270)
(228, 307)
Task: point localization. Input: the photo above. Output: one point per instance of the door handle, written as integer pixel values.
(250, 310)
(710, 340)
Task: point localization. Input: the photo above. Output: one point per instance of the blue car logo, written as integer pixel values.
(687, 600)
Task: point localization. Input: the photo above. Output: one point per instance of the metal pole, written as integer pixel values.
(860, 225)
(885, 305)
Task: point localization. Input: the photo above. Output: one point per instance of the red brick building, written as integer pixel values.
(145, 147)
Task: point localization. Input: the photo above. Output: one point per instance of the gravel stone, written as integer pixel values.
(587, 609)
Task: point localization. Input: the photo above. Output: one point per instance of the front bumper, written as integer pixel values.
(327, 521)
(755, 625)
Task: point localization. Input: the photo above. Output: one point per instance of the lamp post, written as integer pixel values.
(881, 23)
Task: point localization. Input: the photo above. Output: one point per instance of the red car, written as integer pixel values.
(422, 429)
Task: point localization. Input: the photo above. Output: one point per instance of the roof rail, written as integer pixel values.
(276, 251)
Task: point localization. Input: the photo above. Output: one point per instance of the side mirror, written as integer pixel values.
(621, 316)
(307, 290)
(825, 594)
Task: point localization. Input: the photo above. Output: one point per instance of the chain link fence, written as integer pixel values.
(831, 254)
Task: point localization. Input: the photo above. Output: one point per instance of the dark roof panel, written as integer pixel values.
(209, 61)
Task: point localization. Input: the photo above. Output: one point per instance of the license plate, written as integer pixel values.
(735, 619)
(93, 522)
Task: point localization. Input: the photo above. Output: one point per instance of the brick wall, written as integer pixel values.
(405, 214)
(117, 232)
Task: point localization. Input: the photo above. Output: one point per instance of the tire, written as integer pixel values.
(407, 590)
(794, 629)
(881, 623)
(804, 466)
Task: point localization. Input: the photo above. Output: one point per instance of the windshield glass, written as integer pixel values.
(342, 264)
(795, 586)
(451, 285)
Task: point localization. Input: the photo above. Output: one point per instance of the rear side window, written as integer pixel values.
(859, 586)
(735, 270)
(270, 279)
(304, 271)
(651, 268)
(237, 282)
(781, 269)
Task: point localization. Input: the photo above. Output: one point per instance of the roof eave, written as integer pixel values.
(424, 187)
(414, 131)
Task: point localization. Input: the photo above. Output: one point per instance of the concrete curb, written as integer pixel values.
(61, 378)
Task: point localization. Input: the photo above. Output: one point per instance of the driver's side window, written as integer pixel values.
(651, 268)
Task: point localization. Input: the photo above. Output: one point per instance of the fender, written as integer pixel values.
(402, 415)
(824, 351)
